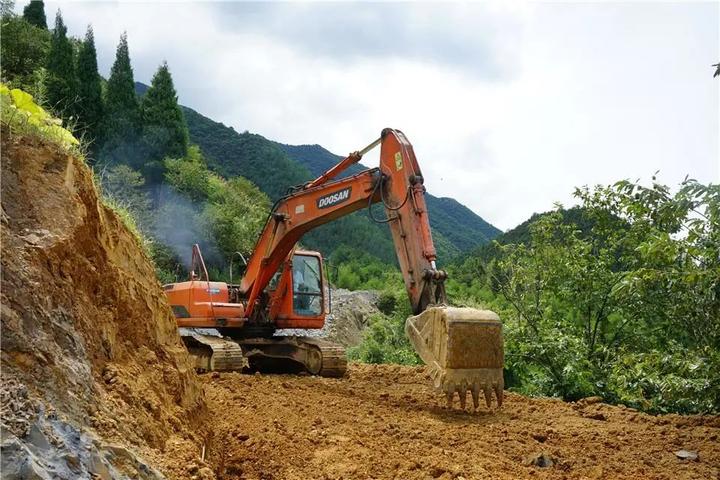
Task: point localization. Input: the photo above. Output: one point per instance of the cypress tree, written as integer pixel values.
(61, 80)
(166, 133)
(34, 14)
(123, 120)
(90, 102)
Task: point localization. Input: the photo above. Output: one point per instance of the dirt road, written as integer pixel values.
(385, 422)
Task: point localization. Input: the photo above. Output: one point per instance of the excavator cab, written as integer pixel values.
(297, 296)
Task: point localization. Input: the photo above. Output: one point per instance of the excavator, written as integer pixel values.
(284, 287)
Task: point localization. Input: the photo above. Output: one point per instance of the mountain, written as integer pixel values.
(274, 167)
(521, 233)
(463, 228)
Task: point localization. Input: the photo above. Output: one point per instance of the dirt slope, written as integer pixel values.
(385, 422)
(89, 345)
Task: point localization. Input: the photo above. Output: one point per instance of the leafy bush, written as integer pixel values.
(22, 115)
(384, 340)
(627, 309)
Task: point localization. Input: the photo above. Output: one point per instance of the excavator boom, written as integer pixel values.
(283, 287)
(462, 346)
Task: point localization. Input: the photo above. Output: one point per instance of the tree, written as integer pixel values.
(627, 310)
(124, 187)
(165, 131)
(123, 119)
(61, 80)
(24, 49)
(34, 14)
(90, 102)
(6, 9)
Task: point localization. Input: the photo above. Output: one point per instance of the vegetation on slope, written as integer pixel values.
(620, 298)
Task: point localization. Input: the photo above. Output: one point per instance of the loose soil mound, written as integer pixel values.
(86, 334)
(386, 422)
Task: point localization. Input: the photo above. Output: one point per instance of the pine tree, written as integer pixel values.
(165, 133)
(61, 81)
(90, 102)
(122, 110)
(34, 13)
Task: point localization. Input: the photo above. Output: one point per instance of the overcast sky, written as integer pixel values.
(509, 105)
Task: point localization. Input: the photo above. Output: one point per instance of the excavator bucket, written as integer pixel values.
(463, 348)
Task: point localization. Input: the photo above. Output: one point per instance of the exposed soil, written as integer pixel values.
(89, 344)
(386, 422)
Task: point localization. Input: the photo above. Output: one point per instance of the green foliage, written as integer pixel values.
(387, 302)
(34, 14)
(190, 175)
(384, 340)
(355, 269)
(90, 102)
(232, 154)
(237, 211)
(61, 82)
(123, 119)
(22, 115)
(225, 216)
(24, 49)
(165, 132)
(125, 188)
(580, 307)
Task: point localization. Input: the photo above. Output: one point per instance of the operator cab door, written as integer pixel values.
(303, 307)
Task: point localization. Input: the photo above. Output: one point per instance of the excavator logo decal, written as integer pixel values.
(398, 161)
(334, 198)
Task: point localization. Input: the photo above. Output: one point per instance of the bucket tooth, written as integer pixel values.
(449, 398)
(488, 395)
(463, 348)
(462, 393)
(499, 394)
(475, 390)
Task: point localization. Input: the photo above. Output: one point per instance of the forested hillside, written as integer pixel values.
(462, 229)
(274, 167)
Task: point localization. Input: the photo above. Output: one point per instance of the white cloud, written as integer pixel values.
(508, 107)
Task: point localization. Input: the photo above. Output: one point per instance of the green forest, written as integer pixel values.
(618, 296)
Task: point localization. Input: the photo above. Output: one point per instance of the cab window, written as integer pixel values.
(307, 286)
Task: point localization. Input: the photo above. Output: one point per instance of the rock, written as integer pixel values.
(687, 455)
(206, 474)
(350, 314)
(595, 416)
(541, 459)
(540, 437)
(591, 400)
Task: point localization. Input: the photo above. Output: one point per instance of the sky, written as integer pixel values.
(509, 105)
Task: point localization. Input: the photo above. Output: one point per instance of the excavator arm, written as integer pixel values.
(462, 346)
(397, 183)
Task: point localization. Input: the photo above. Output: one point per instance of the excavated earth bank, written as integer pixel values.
(95, 380)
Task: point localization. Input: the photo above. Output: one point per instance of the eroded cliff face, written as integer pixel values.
(87, 337)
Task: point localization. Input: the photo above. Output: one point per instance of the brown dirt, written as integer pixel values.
(86, 331)
(386, 422)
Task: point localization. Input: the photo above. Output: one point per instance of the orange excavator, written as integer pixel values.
(284, 287)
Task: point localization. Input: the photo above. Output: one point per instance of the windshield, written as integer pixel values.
(307, 287)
